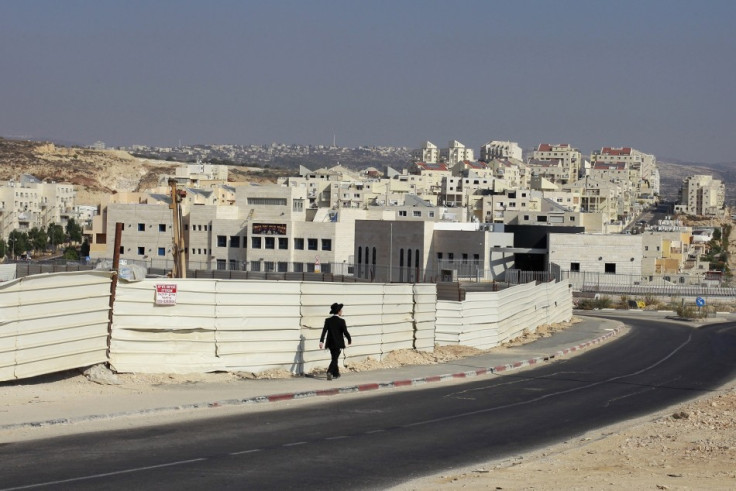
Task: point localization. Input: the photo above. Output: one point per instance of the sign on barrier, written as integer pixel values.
(166, 294)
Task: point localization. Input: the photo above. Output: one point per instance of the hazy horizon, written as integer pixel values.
(655, 75)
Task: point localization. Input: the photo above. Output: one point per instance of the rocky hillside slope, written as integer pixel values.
(96, 173)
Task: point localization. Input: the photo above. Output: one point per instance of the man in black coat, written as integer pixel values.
(335, 329)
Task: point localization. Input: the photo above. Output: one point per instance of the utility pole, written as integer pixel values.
(177, 248)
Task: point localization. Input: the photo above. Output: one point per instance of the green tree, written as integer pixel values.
(18, 242)
(73, 231)
(3, 247)
(71, 254)
(38, 239)
(56, 235)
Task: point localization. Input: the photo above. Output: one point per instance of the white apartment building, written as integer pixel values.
(429, 153)
(456, 152)
(569, 159)
(642, 166)
(702, 195)
(29, 202)
(500, 150)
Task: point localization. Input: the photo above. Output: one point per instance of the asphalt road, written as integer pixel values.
(375, 441)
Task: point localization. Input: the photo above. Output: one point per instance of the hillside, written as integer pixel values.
(672, 174)
(96, 173)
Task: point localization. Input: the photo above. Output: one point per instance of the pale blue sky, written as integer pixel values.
(656, 75)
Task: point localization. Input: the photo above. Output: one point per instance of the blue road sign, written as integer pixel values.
(700, 302)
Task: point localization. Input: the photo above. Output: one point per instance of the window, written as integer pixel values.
(255, 243)
(141, 251)
(234, 241)
(162, 227)
(268, 266)
(161, 251)
(326, 244)
(450, 256)
(298, 205)
(233, 265)
(575, 267)
(526, 218)
(270, 243)
(476, 258)
(431, 214)
(572, 219)
(255, 265)
(220, 264)
(541, 218)
(122, 249)
(141, 227)
(283, 243)
(402, 213)
(465, 258)
(312, 244)
(298, 267)
(646, 248)
(610, 268)
(283, 267)
(416, 213)
(221, 241)
(299, 244)
(439, 256)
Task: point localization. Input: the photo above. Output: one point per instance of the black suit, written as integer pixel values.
(335, 331)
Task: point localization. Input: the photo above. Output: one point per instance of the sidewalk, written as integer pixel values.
(98, 402)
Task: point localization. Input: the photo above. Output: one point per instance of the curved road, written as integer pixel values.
(376, 441)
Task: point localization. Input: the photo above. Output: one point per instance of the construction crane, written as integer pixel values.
(177, 249)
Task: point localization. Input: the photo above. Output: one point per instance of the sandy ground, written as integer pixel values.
(691, 446)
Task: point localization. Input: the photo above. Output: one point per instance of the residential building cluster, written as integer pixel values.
(446, 216)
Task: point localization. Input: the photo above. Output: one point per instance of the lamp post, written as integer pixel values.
(12, 248)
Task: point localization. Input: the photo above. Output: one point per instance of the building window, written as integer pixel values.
(575, 267)
(402, 213)
(298, 267)
(465, 258)
(141, 227)
(162, 227)
(161, 251)
(439, 256)
(298, 205)
(299, 244)
(283, 243)
(233, 265)
(541, 218)
(141, 251)
(526, 218)
(312, 244)
(417, 213)
(610, 268)
(270, 243)
(431, 214)
(235, 241)
(326, 244)
(283, 267)
(255, 265)
(268, 266)
(221, 241)
(451, 256)
(476, 258)
(255, 242)
(221, 265)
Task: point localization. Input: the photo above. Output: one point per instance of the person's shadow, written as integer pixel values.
(298, 366)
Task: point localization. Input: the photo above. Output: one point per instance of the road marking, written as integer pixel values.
(293, 444)
(245, 451)
(106, 474)
(547, 396)
(337, 437)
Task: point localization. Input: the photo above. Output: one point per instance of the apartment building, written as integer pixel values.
(569, 160)
(596, 253)
(455, 152)
(702, 195)
(28, 202)
(641, 167)
(500, 150)
(428, 153)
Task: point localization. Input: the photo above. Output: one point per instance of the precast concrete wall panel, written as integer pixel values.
(425, 316)
(54, 322)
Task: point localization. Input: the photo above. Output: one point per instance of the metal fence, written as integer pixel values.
(672, 285)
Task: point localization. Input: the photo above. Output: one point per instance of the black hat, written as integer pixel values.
(335, 308)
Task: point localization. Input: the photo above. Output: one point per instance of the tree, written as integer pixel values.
(84, 249)
(38, 239)
(18, 242)
(56, 235)
(74, 231)
(71, 254)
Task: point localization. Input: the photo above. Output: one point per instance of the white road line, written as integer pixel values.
(106, 474)
(337, 437)
(245, 451)
(293, 444)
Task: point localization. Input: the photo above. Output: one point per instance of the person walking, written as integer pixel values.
(335, 331)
